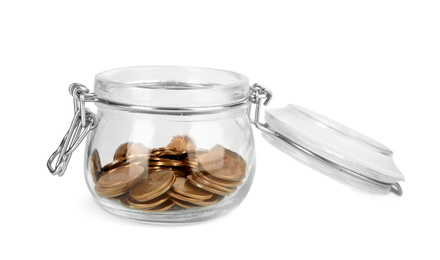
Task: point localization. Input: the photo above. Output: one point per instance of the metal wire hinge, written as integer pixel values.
(259, 96)
(83, 121)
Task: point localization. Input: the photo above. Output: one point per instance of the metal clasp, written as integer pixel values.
(83, 121)
(259, 96)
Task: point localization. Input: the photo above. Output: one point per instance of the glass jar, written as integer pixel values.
(175, 144)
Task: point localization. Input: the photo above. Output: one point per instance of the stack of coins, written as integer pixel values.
(173, 177)
(220, 171)
(118, 180)
(150, 193)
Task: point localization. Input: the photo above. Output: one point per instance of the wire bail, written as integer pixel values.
(257, 96)
(83, 121)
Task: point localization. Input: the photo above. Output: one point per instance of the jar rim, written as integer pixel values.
(102, 77)
(172, 86)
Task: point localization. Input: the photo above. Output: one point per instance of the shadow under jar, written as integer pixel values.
(173, 144)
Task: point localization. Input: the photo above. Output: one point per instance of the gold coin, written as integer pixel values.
(158, 159)
(215, 155)
(147, 204)
(137, 160)
(185, 204)
(228, 173)
(220, 182)
(183, 187)
(163, 207)
(212, 185)
(223, 164)
(178, 172)
(189, 162)
(121, 175)
(95, 166)
(190, 170)
(121, 151)
(167, 153)
(219, 155)
(160, 168)
(166, 164)
(138, 149)
(124, 201)
(182, 144)
(205, 187)
(113, 164)
(134, 160)
(214, 199)
(181, 197)
(111, 192)
(194, 155)
(156, 184)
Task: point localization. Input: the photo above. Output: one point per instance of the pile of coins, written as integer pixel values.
(173, 177)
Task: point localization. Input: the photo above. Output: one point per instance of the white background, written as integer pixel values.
(373, 65)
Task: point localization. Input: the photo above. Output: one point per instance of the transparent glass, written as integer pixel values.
(179, 149)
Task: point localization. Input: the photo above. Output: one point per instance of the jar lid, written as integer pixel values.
(333, 149)
(172, 87)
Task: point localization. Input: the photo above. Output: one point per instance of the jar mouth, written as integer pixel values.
(172, 86)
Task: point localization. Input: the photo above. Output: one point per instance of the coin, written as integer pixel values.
(141, 160)
(214, 199)
(185, 204)
(121, 175)
(167, 153)
(121, 151)
(205, 187)
(95, 166)
(112, 192)
(153, 186)
(113, 164)
(194, 155)
(223, 164)
(166, 163)
(147, 204)
(178, 174)
(124, 201)
(133, 160)
(215, 155)
(220, 182)
(228, 172)
(218, 155)
(182, 144)
(162, 207)
(181, 197)
(137, 149)
(212, 185)
(182, 186)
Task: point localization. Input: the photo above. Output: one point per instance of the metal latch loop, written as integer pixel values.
(83, 121)
(259, 96)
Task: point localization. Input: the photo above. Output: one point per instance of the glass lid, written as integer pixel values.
(333, 149)
(327, 146)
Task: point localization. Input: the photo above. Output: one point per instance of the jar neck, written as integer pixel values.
(239, 105)
(231, 110)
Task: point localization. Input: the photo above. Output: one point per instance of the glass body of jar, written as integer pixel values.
(181, 151)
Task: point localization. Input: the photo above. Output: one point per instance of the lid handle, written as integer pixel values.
(83, 121)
